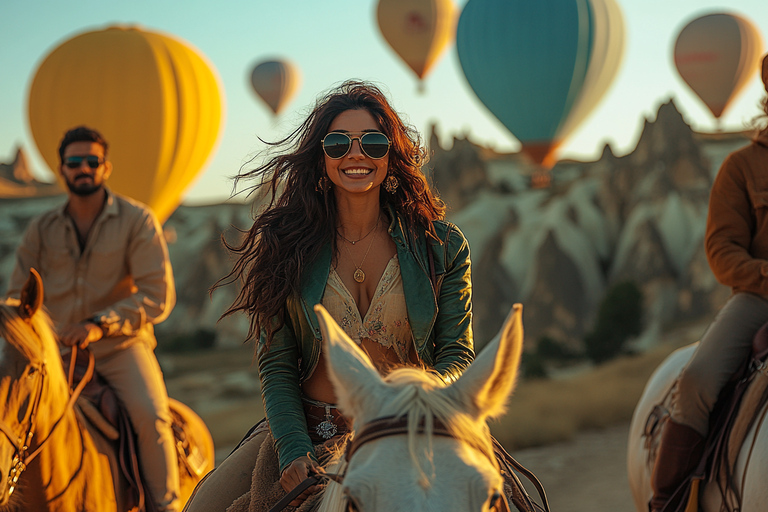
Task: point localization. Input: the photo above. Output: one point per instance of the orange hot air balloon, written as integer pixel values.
(716, 55)
(418, 30)
(276, 82)
(155, 98)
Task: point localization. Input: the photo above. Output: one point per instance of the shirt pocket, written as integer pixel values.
(106, 266)
(57, 268)
(759, 199)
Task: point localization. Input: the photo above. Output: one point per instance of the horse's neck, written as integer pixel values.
(69, 473)
(53, 474)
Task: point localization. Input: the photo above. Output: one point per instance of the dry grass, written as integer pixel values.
(546, 411)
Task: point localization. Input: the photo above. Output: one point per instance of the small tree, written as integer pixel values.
(533, 367)
(618, 319)
(550, 349)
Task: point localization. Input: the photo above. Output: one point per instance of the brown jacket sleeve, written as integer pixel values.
(731, 224)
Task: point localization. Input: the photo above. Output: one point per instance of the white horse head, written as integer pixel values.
(416, 471)
(751, 465)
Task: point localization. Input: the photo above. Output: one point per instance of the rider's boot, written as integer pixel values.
(680, 451)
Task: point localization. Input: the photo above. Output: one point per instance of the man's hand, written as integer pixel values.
(296, 473)
(81, 334)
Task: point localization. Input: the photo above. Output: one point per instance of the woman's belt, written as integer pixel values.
(324, 420)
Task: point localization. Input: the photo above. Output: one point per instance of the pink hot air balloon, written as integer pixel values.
(276, 82)
(417, 30)
(716, 55)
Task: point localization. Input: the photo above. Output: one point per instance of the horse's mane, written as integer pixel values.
(418, 402)
(34, 338)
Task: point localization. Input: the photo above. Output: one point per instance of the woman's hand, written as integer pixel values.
(297, 472)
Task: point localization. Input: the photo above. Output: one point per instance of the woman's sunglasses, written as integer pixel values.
(374, 144)
(74, 162)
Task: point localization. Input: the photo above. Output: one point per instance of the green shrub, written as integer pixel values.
(619, 319)
(551, 349)
(200, 339)
(532, 366)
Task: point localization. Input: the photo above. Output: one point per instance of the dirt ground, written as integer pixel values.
(585, 474)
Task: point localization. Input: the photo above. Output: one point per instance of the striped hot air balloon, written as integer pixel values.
(540, 67)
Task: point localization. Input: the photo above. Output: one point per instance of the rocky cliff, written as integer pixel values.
(557, 250)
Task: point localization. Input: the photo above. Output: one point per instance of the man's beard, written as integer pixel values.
(84, 189)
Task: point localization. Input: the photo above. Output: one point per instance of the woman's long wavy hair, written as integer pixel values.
(301, 218)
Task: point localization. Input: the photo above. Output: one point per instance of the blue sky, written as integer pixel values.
(234, 35)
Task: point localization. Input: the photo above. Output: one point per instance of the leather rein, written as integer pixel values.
(377, 429)
(21, 458)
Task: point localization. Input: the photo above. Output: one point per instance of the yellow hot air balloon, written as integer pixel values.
(418, 30)
(276, 82)
(155, 98)
(716, 55)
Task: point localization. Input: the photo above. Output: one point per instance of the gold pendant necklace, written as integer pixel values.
(359, 275)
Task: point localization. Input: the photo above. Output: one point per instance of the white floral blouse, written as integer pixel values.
(385, 322)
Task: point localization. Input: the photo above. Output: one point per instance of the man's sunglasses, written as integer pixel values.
(374, 144)
(74, 162)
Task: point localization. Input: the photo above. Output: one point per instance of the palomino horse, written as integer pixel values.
(59, 461)
(748, 473)
(452, 467)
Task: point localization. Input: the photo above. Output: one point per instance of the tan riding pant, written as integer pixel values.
(723, 349)
(135, 375)
(229, 481)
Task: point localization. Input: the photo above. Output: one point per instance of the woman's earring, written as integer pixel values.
(391, 183)
(323, 184)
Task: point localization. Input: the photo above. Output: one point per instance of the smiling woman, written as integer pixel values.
(358, 229)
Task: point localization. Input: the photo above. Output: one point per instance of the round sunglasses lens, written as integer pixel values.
(375, 145)
(336, 145)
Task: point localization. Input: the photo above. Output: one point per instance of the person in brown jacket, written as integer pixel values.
(736, 243)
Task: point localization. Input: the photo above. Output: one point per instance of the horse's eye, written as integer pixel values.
(352, 505)
(495, 502)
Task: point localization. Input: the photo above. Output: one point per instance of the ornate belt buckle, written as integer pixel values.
(326, 428)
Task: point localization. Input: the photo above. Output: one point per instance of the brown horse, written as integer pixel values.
(51, 458)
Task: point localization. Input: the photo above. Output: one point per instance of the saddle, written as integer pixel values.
(735, 412)
(99, 405)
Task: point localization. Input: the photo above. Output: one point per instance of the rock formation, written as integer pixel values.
(557, 250)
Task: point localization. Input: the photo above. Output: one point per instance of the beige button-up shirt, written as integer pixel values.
(122, 278)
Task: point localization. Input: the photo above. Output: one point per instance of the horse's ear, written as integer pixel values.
(489, 380)
(354, 377)
(31, 295)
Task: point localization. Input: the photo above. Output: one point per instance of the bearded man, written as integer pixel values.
(108, 281)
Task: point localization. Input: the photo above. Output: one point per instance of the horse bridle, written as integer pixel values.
(20, 457)
(21, 444)
(385, 427)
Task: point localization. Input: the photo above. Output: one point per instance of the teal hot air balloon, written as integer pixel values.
(540, 66)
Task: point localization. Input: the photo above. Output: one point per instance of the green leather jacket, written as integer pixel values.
(442, 327)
